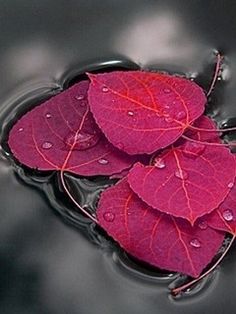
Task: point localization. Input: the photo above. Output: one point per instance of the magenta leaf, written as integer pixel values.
(187, 180)
(61, 134)
(141, 112)
(156, 238)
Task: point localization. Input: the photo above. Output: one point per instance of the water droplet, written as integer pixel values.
(195, 243)
(159, 163)
(167, 107)
(130, 113)
(20, 129)
(103, 161)
(230, 185)
(79, 97)
(83, 103)
(181, 174)
(228, 215)
(47, 145)
(167, 90)
(203, 225)
(193, 150)
(82, 140)
(168, 119)
(181, 115)
(48, 115)
(109, 217)
(105, 89)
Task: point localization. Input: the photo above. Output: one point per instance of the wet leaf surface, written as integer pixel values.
(186, 180)
(62, 134)
(141, 112)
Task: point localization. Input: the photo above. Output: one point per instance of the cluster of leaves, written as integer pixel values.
(176, 195)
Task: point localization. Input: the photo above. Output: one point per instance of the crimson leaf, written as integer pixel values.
(141, 112)
(187, 180)
(61, 134)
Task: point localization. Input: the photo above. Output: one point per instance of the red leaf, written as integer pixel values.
(141, 112)
(224, 217)
(61, 134)
(156, 238)
(189, 180)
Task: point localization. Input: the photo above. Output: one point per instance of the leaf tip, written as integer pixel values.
(91, 76)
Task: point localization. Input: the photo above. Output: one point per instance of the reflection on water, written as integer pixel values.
(29, 58)
(157, 37)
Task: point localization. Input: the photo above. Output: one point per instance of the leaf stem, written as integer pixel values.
(216, 74)
(64, 168)
(208, 143)
(212, 130)
(73, 200)
(176, 291)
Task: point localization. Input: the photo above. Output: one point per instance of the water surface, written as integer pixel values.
(52, 259)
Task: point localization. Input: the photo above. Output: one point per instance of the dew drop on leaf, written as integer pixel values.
(21, 129)
(103, 161)
(193, 150)
(84, 140)
(105, 89)
(109, 217)
(195, 243)
(48, 115)
(168, 119)
(47, 145)
(203, 225)
(230, 185)
(79, 97)
(130, 113)
(167, 90)
(181, 115)
(228, 215)
(159, 163)
(181, 174)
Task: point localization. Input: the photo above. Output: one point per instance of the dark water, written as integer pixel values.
(52, 260)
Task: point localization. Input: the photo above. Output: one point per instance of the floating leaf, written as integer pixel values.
(61, 134)
(141, 112)
(188, 180)
(156, 238)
